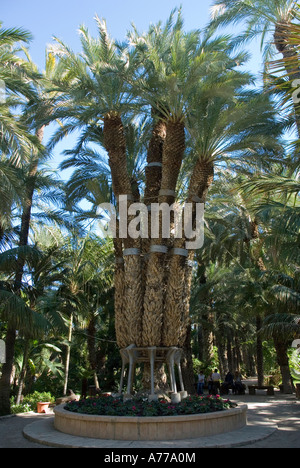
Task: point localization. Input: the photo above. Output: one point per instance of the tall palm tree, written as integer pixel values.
(266, 18)
(169, 57)
(287, 69)
(271, 247)
(16, 142)
(39, 103)
(224, 132)
(279, 201)
(165, 72)
(96, 94)
(175, 64)
(260, 18)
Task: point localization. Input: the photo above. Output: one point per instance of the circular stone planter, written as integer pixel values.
(150, 428)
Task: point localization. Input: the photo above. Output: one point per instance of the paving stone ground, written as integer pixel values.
(274, 422)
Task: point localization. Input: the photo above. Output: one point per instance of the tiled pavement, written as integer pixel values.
(273, 422)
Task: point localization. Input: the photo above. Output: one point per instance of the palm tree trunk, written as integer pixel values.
(131, 289)
(207, 324)
(23, 371)
(290, 58)
(153, 171)
(67, 363)
(259, 344)
(154, 264)
(23, 241)
(170, 314)
(238, 352)
(283, 361)
(174, 327)
(154, 300)
(115, 144)
(229, 354)
(259, 352)
(173, 151)
(221, 345)
(91, 344)
(7, 368)
(180, 276)
(187, 364)
(133, 298)
(121, 326)
(27, 208)
(201, 179)
(155, 290)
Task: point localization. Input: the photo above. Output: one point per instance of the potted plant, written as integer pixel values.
(43, 406)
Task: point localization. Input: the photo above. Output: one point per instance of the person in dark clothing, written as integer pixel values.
(228, 384)
(229, 378)
(239, 387)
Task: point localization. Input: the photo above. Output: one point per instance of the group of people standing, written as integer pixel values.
(233, 382)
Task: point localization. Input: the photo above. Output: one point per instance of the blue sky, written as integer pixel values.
(61, 18)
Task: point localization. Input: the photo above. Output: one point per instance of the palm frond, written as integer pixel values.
(281, 326)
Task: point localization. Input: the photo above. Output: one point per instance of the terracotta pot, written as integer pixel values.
(43, 406)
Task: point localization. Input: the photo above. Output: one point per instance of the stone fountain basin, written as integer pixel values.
(150, 428)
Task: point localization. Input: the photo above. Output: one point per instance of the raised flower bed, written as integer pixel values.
(110, 406)
(111, 418)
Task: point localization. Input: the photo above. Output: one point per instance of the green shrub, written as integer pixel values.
(16, 409)
(32, 399)
(30, 402)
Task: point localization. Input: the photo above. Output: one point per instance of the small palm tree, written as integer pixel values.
(16, 311)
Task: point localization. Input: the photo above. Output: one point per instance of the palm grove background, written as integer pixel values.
(167, 115)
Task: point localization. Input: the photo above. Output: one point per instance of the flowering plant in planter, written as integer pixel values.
(115, 406)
